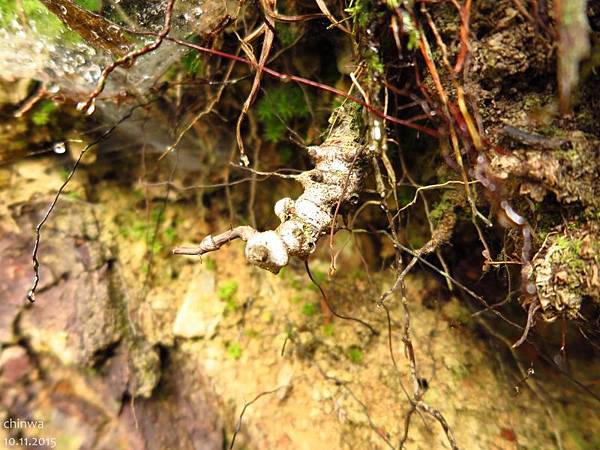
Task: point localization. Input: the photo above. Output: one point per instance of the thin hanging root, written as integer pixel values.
(209, 107)
(269, 35)
(335, 180)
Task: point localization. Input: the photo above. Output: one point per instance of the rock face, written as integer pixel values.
(74, 361)
(15, 272)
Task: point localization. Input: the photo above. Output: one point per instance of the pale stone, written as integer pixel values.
(200, 311)
(285, 379)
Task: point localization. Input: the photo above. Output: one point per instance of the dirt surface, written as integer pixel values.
(113, 355)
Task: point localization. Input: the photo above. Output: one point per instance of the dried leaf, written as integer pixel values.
(94, 29)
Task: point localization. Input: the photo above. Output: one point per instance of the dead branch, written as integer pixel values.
(211, 243)
(336, 179)
(268, 29)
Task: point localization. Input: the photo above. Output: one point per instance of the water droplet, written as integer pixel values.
(53, 88)
(91, 108)
(63, 10)
(376, 130)
(59, 148)
(244, 161)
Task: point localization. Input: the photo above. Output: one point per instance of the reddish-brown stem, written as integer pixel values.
(464, 12)
(286, 78)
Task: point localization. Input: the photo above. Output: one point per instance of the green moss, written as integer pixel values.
(411, 31)
(569, 254)
(209, 263)
(231, 306)
(156, 215)
(43, 112)
(355, 354)
(156, 247)
(170, 234)
(441, 208)
(279, 106)
(192, 62)
(227, 290)
(135, 231)
(74, 195)
(309, 309)
(234, 350)
(226, 293)
(362, 12)
(328, 330)
(374, 62)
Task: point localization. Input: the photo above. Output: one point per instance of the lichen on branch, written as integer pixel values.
(335, 181)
